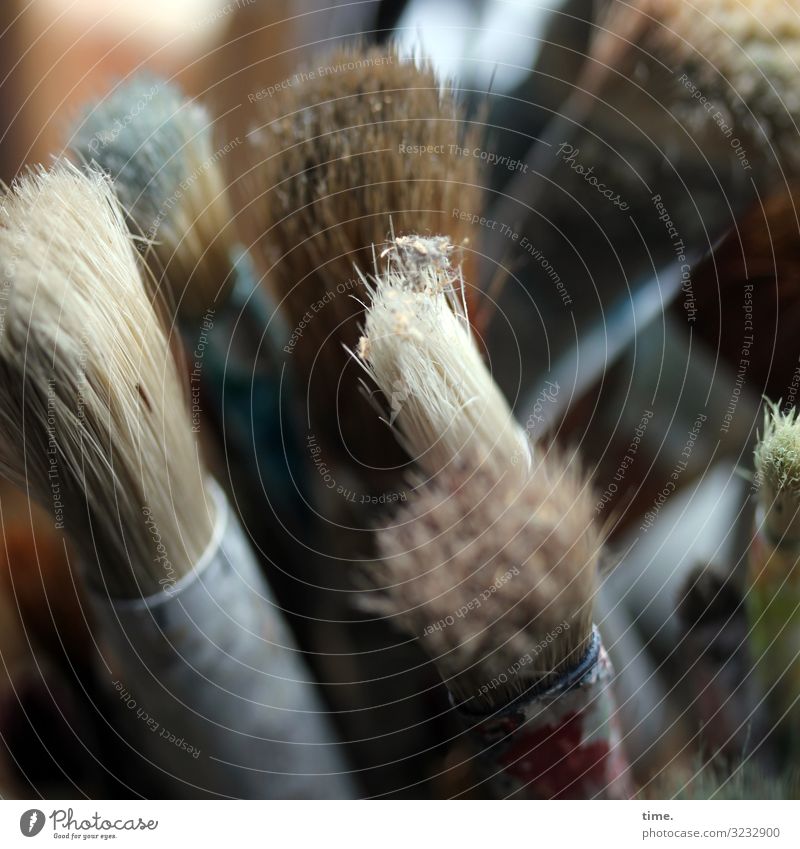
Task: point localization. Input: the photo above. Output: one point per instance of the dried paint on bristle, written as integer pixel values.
(410, 253)
(495, 576)
(427, 263)
(80, 349)
(158, 149)
(743, 57)
(419, 349)
(335, 167)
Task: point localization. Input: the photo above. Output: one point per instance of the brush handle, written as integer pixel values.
(562, 742)
(241, 378)
(213, 692)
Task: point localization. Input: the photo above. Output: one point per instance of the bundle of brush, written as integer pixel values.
(773, 579)
(492, 563)
(94, 422)
(159, 149)
(368, 141)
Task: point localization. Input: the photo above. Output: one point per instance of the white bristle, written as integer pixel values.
(93, 420)
(419, 349)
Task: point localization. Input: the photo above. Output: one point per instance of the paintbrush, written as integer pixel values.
(492, 564)
(348, 148)
(367, 141)
(773, 578)
(159, 149)
(721, 69)
(496, 579)
(71, 455)
(96, 425)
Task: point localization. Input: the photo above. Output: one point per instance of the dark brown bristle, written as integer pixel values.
(496, 578)
(757, 265)
(334, 175)
(740, 58)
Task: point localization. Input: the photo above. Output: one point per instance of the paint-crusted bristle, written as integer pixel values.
(362, 145)
(777, 463)
(419, 349)
(495, 576)
(159, 150)
(93, 416)
(741, 58)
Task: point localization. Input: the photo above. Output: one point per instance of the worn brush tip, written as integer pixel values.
(341, 149)
(418, 347)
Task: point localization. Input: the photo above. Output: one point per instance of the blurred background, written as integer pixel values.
(635, 378)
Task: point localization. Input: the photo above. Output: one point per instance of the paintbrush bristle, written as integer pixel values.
(158, 148)
(741, 58)
(777, 464)
(495, 576)
(419, 349)
(93, 418)
(345, 153)
(777, 455)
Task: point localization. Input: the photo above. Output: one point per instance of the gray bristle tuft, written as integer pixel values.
(158, 149)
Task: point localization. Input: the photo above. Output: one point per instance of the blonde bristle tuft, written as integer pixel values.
(495, 576)
(94, 421)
